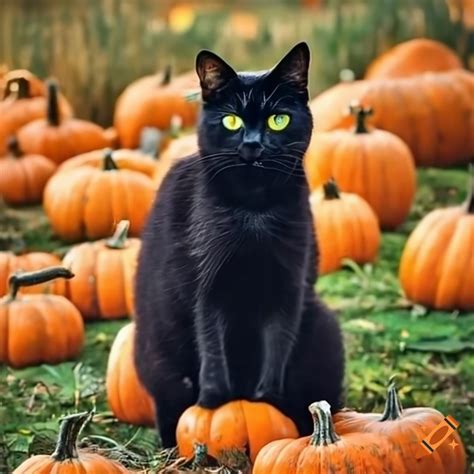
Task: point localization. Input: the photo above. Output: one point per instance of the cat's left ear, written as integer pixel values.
(293, 68)
(214, 73)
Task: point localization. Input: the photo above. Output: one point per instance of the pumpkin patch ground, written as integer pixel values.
(431, 351)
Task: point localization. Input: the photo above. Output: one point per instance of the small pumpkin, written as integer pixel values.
(67, 458)
(242, 425)
(327, 451)
(23, 177)
(436, 267)
(346, 227)
(11, 263)
(413, 57)
(405, 430)
(37, 329)
(86, 202)
(432, 113)
(104, 269)
(153, 101)
(374, 164)
(128, 399)
(60, 138)
(35, 85)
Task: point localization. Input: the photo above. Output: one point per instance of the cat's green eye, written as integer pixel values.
(232, 122)
(278, 122)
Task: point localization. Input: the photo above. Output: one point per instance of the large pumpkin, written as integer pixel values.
(374, 164)
(437, 264)
(67, 458)
(11, 263)
(406, 429)
(38, 329)
(128, 399)
(346, 227)
(152, 101)
(104, 275)
(86, 202)
(329, 452)
(23, 177)
(60, 138)
(21, 106)
(246, 426)
(413, 57)
(432, 113)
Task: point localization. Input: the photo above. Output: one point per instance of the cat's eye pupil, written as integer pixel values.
(279, 119)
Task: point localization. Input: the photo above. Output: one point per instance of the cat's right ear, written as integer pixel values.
(214, 73)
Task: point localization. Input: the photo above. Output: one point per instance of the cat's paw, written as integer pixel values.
(212, 399)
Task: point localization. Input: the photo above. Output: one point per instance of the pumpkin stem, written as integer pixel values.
(118, 240)
(176, 126)
(360, 113)
(20, 86)
(14, 147)
(53, 107)
(331, 190)
(109, 163)
(18, 279)
(393, 407)
(71, 426)
(470, 196)
(150, 140)
(324, 433)
(200, 456)
(167, 75)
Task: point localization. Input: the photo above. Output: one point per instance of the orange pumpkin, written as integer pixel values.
(413, 57)
(67, 459)
(152, 101)
(20, 106)
(437, 267)
(86, 202)
(346, 227)
(10, 263)
(372, 163)
(104, 269)
(432, 113)
(60, 138)
(405, 430)
(128, 399)
(38, 329)
(23, 177)
(329, 452)
(246, 426)
(133, 160)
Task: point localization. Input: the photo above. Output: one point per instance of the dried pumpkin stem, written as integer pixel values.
(360, 113)
(14, 147)
(167, 75)
(119, 239)
(331, 190)
(324, 433)
(20, 279)
(393, 407)
(20, 86)
(109, 162)
(53, 106)
(470, 197)
(71, 426)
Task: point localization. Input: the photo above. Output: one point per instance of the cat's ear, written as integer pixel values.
(214, 73)
(293, 68)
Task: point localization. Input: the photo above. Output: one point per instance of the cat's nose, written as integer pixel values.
(249, 152)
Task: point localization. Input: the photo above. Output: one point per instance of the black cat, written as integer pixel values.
(224, 294)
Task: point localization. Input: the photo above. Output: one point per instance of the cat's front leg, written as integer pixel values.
(214, 378)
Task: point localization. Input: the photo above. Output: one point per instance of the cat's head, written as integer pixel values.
(255, 120)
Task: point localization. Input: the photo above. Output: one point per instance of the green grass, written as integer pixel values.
(431, 351)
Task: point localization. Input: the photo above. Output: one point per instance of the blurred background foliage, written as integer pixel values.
(96, 47)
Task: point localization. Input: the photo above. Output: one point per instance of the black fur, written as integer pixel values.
(225, 302)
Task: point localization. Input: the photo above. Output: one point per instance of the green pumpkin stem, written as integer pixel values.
(167, 75)
(52, 114)
(200, 456)
(71, 426)
(119, 239)
(324, 433)
(14, 147)
(331, 190)
(20, 86)
(109, 163)
(393, 407)
(360, 113)
(19, 279)
(470, 196)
